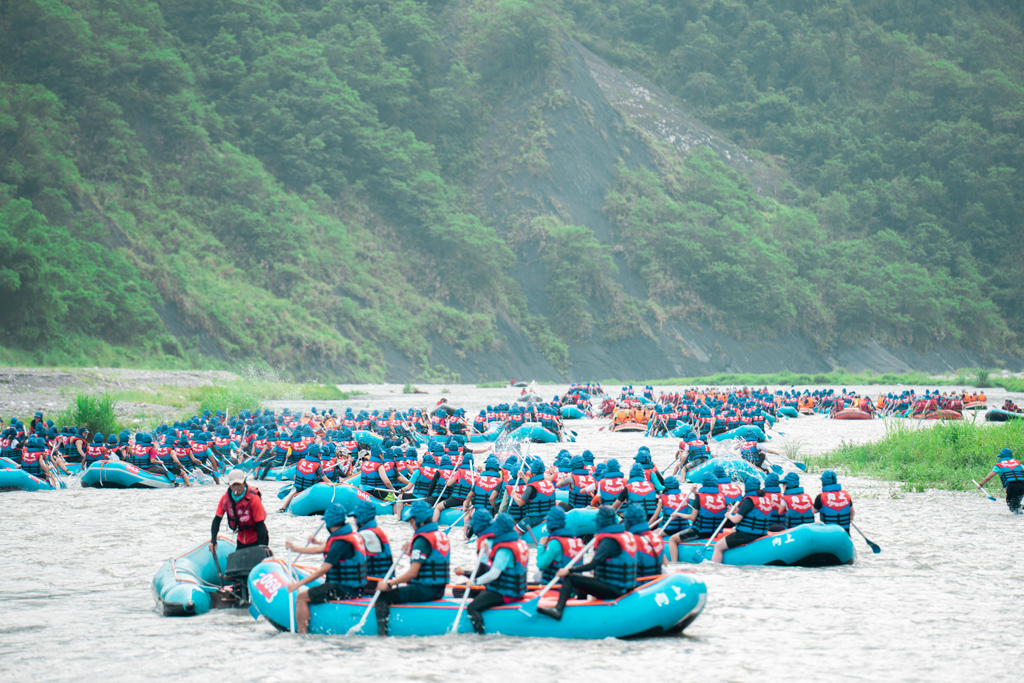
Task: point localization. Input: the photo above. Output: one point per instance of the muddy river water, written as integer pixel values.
(944, 601)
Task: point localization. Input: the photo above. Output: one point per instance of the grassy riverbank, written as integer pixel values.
(967, 377)
(112, 411)
(945, 456)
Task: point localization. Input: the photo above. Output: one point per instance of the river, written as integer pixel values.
(942, 602)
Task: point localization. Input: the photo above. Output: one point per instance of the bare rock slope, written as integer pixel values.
(584, 136)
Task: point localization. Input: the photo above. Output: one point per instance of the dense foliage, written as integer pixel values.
(904, 121)
(186, 182)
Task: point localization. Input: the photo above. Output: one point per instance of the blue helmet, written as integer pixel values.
(481, 521)
(335, 515)
(556, 518)
(421, 512)
(364, 512)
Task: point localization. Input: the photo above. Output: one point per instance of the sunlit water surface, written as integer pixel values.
(944, 601)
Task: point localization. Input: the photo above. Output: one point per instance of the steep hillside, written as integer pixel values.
(415, 190)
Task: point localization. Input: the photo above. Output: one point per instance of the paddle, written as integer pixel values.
(373, 601)
(291, 598)
(980, 488)
(512, 480)
(699, 555)
(77, 475)
(448, 479)
(531, 605)
(457, 520)
(216, 565)
(675, 510)
(465, 596)
(799, 465)
(874, 546)
(209, 470)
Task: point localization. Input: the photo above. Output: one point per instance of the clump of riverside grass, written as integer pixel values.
(944, 456)
(95, 411)
(256, 385)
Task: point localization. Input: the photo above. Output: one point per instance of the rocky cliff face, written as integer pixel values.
(596, 122)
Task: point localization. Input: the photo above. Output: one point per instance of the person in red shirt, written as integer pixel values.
(243, 506)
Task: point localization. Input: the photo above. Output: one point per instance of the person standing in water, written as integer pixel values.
(1011, 476)
(243, 506)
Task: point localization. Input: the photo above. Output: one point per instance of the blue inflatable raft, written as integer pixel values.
(666, 604)
(367, 438)
(280, 473)
(490, 435)
(317, 498)
(12, 479)
(684, 431)
(534, 432)
(788, 411)
(572, 413)
(736, 469)
(746, 433)
(115, 474)
(808, 545)
(578, 522)
(449, 517)
(185, 585)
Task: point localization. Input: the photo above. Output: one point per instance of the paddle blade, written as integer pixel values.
(530, 607)
(698, 556)
(992, 499)
(777, 469)
(874, 546)
(253, 612)
(800, 466)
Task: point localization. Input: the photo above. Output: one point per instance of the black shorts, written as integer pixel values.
(378, 494)
(331, 591)
(738, 538)
(1014, 496)
(452, 503)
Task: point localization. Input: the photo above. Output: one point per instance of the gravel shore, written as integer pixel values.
(24, 391)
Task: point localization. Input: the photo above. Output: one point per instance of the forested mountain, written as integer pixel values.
(408, 189)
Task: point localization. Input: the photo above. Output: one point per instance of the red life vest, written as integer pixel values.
(835, 508)
(307, 466)
(241, 515)
(732, 492)
(651, 543)
(611, 487)
(487, 483)
(712, 502)
(800, 503)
